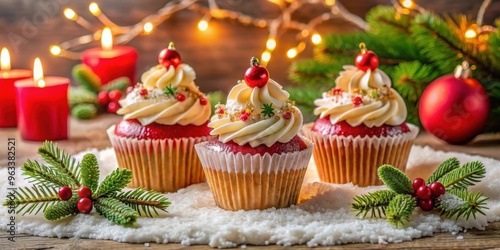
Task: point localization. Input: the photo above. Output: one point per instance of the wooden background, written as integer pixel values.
(219, 55)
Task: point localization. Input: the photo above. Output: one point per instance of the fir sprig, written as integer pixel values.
(267, 110)
(398, 203)
(169, 90)
(120, 207)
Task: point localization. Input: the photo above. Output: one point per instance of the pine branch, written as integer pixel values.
(62, 209)
(33, 199)
(116, 211)
(396, 180)
(400, 209)
(90, 171)
(471, 203)
(84, 111)
(61, 162)
(114, 182)
(445, 167)
(304, 99)
(313, 73)
(80, 95)
(84, 75)
(120, 83)
(374, 203)
(464, 176)
(38, 174)
(143, 201)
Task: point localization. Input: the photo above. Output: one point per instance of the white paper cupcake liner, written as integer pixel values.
(164, 165)
(344, 159)
(251, 182)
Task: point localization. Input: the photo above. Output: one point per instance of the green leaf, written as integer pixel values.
(144, 201)
(90, 171)
(84, 75)
(116, 211)
(445, 167)
(29, 200)
(169, 90)
(469, 203)
(39, 174)
(396, 180)
(464, 176)
(400, 209)
(114, 182)
(62, 209)
(373, 203)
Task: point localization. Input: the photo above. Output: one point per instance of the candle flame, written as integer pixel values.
(5, 59)
(38, 73)
(107, 39)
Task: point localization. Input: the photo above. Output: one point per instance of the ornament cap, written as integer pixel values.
(254, 61)
(171, 45)
(463, 71)
(362, 47)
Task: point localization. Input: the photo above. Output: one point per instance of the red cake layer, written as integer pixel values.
(323, 126)
(294, 145)
(133, 129)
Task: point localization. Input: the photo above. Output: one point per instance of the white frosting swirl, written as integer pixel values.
(162, 108)
(381, 103)
(258, 129)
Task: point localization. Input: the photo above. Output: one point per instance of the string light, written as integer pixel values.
(470, 33)
(407, 4)
(203, 25)
(70, 14)
(55, 50)
(148, 27)
(94, 9)
(266, 56)
(271, 44)
(291, 53)
(329, 2)
(316, 38)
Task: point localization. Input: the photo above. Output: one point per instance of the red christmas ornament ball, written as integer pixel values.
(367, 60)
(84, 205)
(454, 109)
(256, 75)
(169, 56)
(65, 193)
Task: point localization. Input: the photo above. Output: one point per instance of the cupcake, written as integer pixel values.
(164, 116)
(258, 160)
(361, 125)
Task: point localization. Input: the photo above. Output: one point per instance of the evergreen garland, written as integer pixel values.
(413, 50)
(398, 203)
(122, 208)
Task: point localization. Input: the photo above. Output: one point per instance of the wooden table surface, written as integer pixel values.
(91, 134)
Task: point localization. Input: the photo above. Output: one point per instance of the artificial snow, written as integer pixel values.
(322, 218)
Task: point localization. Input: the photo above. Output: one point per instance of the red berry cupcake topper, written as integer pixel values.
(367, 59)
(169, 56)
(256, 75)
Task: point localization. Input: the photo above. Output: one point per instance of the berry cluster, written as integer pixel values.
(110, 100)
(84, 204)
(427, 195)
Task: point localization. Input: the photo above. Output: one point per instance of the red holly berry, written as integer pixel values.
(203, 101)
(357, 100)
(169, 56)
(65, 193)
(244, 117)
(220, 111)
(84, 205)
(181, 97)
(287, 115)
(426, 204)
(337, 91)
(256, 75)
(103, 98)
(130, 89)
(113, 107)
(143, 92)
(417, 183)
(424, 192)
(437, 189)
(115, 95)
(366, 59)
(84, 192)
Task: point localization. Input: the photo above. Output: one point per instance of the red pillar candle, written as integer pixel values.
(42, 104)
(110, 62)
(8, 110)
